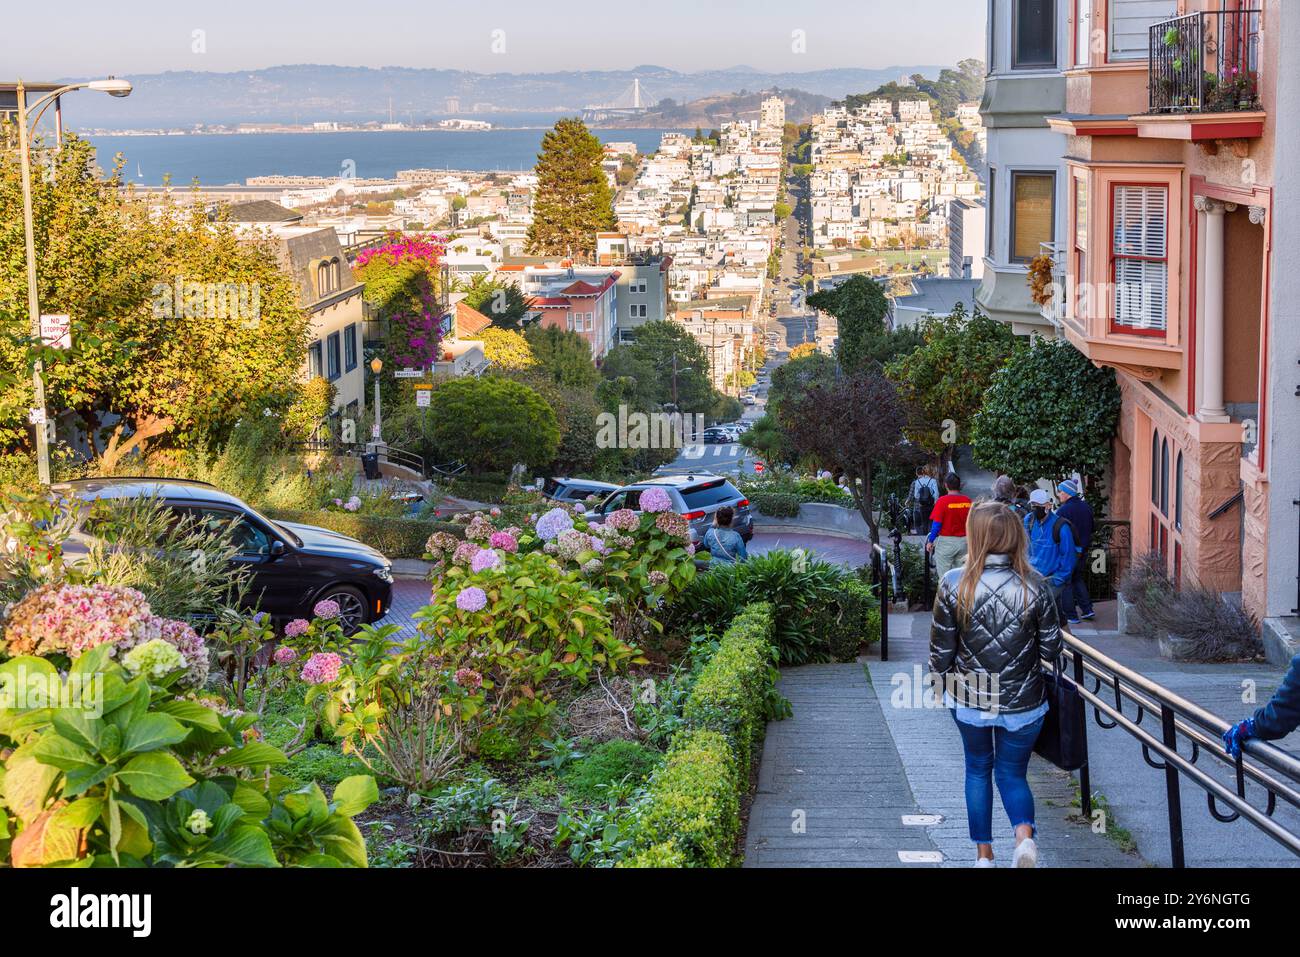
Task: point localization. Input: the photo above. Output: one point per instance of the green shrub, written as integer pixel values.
(394, 537)
(796, 586)
(730, 694)
(588, 778)
(693, 803)
(691, 814)
(851, 619)
(776, 504)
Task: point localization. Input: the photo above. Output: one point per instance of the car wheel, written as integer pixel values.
(352, 606)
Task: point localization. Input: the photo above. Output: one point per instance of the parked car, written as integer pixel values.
(695, 496)
(575, 490)
(748, 399)
(293, 566)
(716, 435)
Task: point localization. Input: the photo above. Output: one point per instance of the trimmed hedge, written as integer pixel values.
(776, 504)
(692, 812)
(850, 619)
(394, 537)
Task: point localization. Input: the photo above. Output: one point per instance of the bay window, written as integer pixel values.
(1034, 41)
(1033, 213)
(1140, 259)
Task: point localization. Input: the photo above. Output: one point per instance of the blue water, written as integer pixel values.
(222, 159)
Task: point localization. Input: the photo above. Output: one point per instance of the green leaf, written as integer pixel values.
(354, 794)
(27, 783)
(246, 845)
(65, 754)
(151, 732)
(78, 726)
(154, 776)
(191, 713)
(255, 754)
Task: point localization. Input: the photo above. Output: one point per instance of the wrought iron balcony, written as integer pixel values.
(1206, 63)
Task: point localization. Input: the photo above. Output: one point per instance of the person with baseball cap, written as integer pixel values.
(1075, 599)
(1051, 544)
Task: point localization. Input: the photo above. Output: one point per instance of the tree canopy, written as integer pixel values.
(502, 302)
(1048, 413)
(648, 360)
(562, 356)
(178, 327)
(573, 200)
(492, 423)
(947, 377)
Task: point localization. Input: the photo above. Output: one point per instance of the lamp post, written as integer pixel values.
(113, 87)
(377, 366)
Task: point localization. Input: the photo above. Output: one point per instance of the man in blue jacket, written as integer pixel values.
(1051, 545)
(1275, 720)
(1079, 514)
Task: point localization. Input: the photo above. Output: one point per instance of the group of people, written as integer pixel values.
(1011, 569)
(1058, 538)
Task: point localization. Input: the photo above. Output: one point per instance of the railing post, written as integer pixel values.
(882, 577)
(1085, 780)
(1172, 796)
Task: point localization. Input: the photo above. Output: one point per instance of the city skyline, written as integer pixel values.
(513, 38)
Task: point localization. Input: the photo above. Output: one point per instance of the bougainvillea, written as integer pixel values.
(401, 279)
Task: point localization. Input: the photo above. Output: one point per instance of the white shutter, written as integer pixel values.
(1130, 26)
(1141, 235)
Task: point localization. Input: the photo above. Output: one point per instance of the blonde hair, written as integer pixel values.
(991, 529)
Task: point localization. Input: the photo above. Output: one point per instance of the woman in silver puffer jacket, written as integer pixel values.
(994, 621)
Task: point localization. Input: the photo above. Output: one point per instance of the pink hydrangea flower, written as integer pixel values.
(623, 520)
(504, 541)
(322, 668)
(328, 608)
(464, 553)
(284, 655)
(471, 599)
(299, 626)
(657, 578)
(655, 499)
(485, 559)
(469, 678)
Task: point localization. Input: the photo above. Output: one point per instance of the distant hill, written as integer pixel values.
(308, 93)
(710, 112)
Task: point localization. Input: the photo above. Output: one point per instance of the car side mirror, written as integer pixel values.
(277, 548)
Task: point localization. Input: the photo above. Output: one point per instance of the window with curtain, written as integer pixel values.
(1081, 280)
(1034, 44)
(1140, 258)
(1130, 24)
(1033, 214)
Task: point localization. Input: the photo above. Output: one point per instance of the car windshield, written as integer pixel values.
(714, 493)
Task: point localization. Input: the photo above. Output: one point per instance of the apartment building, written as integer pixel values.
(966, 231)
(1179, 271)
(578, 299)
(1028, 42)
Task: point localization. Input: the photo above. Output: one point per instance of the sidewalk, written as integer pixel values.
(931, 753)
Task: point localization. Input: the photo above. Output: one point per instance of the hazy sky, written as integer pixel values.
(91, 37)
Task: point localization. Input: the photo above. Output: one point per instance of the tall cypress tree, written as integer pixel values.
(573, 199)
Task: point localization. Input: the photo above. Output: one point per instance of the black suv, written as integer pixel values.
(293, 566)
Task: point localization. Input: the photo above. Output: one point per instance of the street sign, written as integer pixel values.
(758, 466)
(56, 331)
(409, 374)
(422, 398)
(374, 431)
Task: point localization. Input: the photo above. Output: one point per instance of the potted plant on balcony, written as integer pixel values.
(1040, 274)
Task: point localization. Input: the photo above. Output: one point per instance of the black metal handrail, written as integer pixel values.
(1205, 63)
(884, 576)
(1261, 763)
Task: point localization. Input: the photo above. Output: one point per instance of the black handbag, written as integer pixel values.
(1062, 740)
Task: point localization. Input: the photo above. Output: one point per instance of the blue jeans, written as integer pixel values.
(1001, 755)
(1075, 592)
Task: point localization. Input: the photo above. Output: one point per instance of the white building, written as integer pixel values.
(967, 226)
(1026, 186)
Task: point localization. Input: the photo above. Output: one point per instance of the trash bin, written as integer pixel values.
(370, 463)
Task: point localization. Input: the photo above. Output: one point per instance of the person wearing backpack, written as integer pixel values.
(994, 620)
(924, 493)
(1051, 545)
(1077, 602)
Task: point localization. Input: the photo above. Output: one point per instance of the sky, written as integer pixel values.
(90, 37)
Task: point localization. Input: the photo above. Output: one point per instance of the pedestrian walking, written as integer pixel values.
(1078, 603)
(1005, 492)
(1275, 720)
(993, 622)
(947, 539)
(922, 495)
(1051, 545)
(723, 543)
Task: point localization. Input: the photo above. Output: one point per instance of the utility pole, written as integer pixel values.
(33, 302)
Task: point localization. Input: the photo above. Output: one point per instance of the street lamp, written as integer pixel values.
(113, 87)
(377, 366)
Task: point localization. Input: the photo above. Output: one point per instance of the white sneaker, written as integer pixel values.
(1026, 854)
(984, 862)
